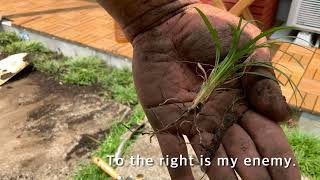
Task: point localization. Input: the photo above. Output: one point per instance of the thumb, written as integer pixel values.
(264, 94)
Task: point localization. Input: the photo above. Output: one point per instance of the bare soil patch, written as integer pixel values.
(47, 127)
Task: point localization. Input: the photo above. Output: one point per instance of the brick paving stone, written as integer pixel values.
(75, 20)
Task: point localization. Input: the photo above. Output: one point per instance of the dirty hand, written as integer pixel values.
(169, 39)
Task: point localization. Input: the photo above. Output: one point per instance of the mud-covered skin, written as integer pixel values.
(168, 40)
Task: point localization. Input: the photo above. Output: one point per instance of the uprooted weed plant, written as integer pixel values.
(236, 64)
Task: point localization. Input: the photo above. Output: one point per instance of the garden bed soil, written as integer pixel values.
(47, 127)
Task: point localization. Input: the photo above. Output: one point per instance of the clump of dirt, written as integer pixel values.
(47, 127)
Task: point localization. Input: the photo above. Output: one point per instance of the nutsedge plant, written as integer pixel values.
(233, 66)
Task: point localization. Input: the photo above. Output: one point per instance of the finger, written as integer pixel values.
(271, 142)
(174, 146)
(238, 144)
(263, 93)
(201, 143)
(266, 98)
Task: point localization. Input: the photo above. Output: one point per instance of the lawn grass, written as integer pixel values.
(307, 151)
(85, 71)
(7, 38)
(118, 85)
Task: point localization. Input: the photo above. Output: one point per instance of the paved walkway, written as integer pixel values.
(85, 22)
(307, 78)
(80, 21)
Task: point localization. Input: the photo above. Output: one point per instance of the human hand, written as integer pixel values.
(235, 123)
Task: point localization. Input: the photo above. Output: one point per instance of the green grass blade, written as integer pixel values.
(283, 66)
(232, 58)
(265, 34)
(268, 45)
(262, 75)
(247, 23)
(213, 33)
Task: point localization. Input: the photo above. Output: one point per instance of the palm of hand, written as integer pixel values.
(167, 79)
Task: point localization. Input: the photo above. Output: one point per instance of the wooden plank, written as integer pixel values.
(277, 56)
(309, 74)
(245, 12)
(238, 8)
(219, 4)
(287, 91)
(126, 50)
(310, 101)
(317, 76)
(296, 58)
(290, 67)
(310, 86)
(107, 44)
(297, 100)
(296, 79)
(305, 61)
(284, 46)
(305, 51)
(285, 58)
(277, 74)
(282, 79)
(316, 60)
(317, 106)
(248, 15)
